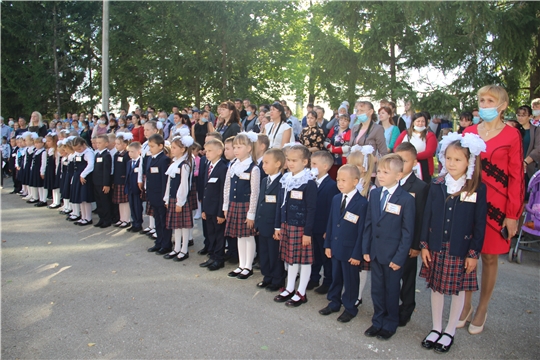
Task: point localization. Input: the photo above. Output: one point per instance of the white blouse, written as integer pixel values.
(275, 134)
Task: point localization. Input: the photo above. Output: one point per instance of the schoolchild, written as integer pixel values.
(32, 193)
(15, 146)
(37, 173)
(52, 178)
(150, 128)
(120, 168)
(132, 189)
(102, 180)
(82, 189)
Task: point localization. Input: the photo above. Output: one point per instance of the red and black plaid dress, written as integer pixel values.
(184, 218)
(291, 250)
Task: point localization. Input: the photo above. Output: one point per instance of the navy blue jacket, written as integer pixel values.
(266, 210)
(419, 188)
(298, 212)
(468, 219)
(344, 236)
(212, 202)
(120, 168)
(101, 176)
(201, 180)
(156, 182)
(388, 237)
(131, 178)
(325, 193)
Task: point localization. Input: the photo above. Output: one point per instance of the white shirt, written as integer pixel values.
(275, 134)
(390, 193)
(418, 143)
(272, 178)
(320, 180)
(349, 197)
(183, 190)
(404, 180)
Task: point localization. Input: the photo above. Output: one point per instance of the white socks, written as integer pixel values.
(56, 197)
(177, 240)
(125, 212)
(151, 222)
(67, 204)
(363, 280)
(86, 211)
(456, 307)
(34, 193)
(42, 193)
(76, 209)
(305, 274)
(185, 240)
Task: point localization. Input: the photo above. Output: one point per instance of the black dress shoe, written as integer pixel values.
(124, 225)
(94, 211)
(54, 206)
(234, 273)
(135, 229)
(207, 263)
(117, 223)
(327, 310)
(345, 317)
(153, 249)
(203, 251)
(283, 298)
(216, 265)
(170, 256)
(273, 287)
(296, 303)
(76, 218)
(428, 344)
(98, 224)
(385, 334)
(243, 276)
(13, 192)
(440, 348)
(263, 284)
(403, 322)
(163, 251)
(177, 259)
(85, 223)
(372, 331)
(142, 232)
(312, 285)
(358, 303)
(190, 242)
(105, 225)
(323, 289)
(41, 204)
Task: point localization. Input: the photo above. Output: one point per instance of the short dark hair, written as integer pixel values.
(157, 139)
(526, 108)
(407, 147)
(216, 135)
(237, 99)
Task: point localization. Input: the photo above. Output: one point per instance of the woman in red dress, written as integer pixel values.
(502, 172)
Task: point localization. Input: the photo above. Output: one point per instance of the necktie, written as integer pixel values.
(268, 182)
(133, 164)
(383, 200)
(210, 170)
(343, 203)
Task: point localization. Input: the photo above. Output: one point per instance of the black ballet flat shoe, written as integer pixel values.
(283, 298)
(54, 206)
(186, 256)
(234, 273)
(296, 303)
(440, 348)
(117, 224)
(124, 225)
(263, 284)
(73, 218)
(245, 276)
(358, 303)
(428, 344)
(32, 201)
(85, 223)
(191, 243)
(170, 256)
(41, 204)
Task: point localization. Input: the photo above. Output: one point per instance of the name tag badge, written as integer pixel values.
(136, 170)
(297, 195)
(393, 208)
(213, 180)
(78, 158)
(245, 176)
(465, 198)
(154, 170)
(120, 159)
(270, 199)
(351, 217)
(99, 159)
(413, 195)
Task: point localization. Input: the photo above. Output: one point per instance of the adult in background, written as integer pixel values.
(342, 110)
(321, 121)
(337, 143)
(230, 123)
(465, 120)
(424, 141)
(239, 107)
(312, 136)
(6, 130)
(138, 128)
(37, 125)
(180, 121)
(86, 133)
(405, 120)
(502, 172)
(211, 116)
(249, 123)
(278, 131)
(201, 128)
(309, 108)
(391, 131)
(531, 143)
(367, 131)
(113, 126)
(101, 127)
(293, 122)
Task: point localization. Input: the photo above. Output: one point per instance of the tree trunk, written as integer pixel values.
(197, 92)
(351, 77)
(224, 70)
(124, 103)
(534, 81)
(392, 68)
(55, 53)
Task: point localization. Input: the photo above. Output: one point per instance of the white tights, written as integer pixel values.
(246, 252)
(86, 211)
(181, 238)
(55, 197)
(125, 212)
(305, 273)
(151, 222)
(42, 193)
(437, 306)
(76, 209)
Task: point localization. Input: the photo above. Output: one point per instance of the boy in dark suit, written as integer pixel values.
(272, 267)
(132, 188)
(102, 179)
(212, 203)
(343, 243)
(419, 190)
(156, 183)
(321, 162)
(387, 240)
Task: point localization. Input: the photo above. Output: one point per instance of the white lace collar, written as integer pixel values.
(240, 167)
(453, 186)
(290, 181)
(171, 171)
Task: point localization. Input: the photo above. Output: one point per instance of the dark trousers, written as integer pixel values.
(135, 205)
(115, 212)
(408, 288)
(272, 267)
(216, 238)
(232, 246)
(344, 275)
(164, 235)
(205, 233)
(17, 185)
(385, 296)
(320, 260)
(103, 203)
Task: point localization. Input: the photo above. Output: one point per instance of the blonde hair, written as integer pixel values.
(351, 170)
(391, 161)
(54, 139)
(535, 102)
(498, 92)
(357, 159)
(243, 139)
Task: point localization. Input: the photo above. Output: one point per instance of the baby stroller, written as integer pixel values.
(531, 224)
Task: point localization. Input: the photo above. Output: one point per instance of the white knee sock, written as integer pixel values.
(292, 271)
(69, 205)
(455, 311)
(190, 236)
(25, 189)
(198, 211)
(177, 240)
(66, 204)
(76, 209)
(56, 197)
(242, 249)
(185, 239)
(83, 212)
(305, 274)
(151, 222)
(35, 193)
(125, 213)
(437, 306)
(363, 280)
(250, 252)
(42, 193)
(87, 211)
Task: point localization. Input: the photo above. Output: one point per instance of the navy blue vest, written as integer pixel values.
(241, 189)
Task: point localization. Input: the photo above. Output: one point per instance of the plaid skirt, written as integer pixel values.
(365, 266)
(119, 194)
(236, 220)
(446, 274)
(291, 250)
(149, 210)
(192, 197)
(178, 220)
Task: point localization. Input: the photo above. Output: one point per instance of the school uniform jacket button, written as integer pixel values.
(338, 225)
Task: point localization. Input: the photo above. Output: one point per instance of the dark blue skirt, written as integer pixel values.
(35, 177)
(27, 166)
(50, 173)
(58, 177)
(80, 193)
(67, 174)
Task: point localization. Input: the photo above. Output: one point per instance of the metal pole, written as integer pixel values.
(105, 58)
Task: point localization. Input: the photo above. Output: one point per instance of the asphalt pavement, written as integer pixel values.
(72, 292)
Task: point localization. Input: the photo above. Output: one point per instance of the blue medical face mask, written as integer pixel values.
(204, 119)
(249, 113)
(488, 114)
(476, 120)
(362, 118)
(190, 116)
